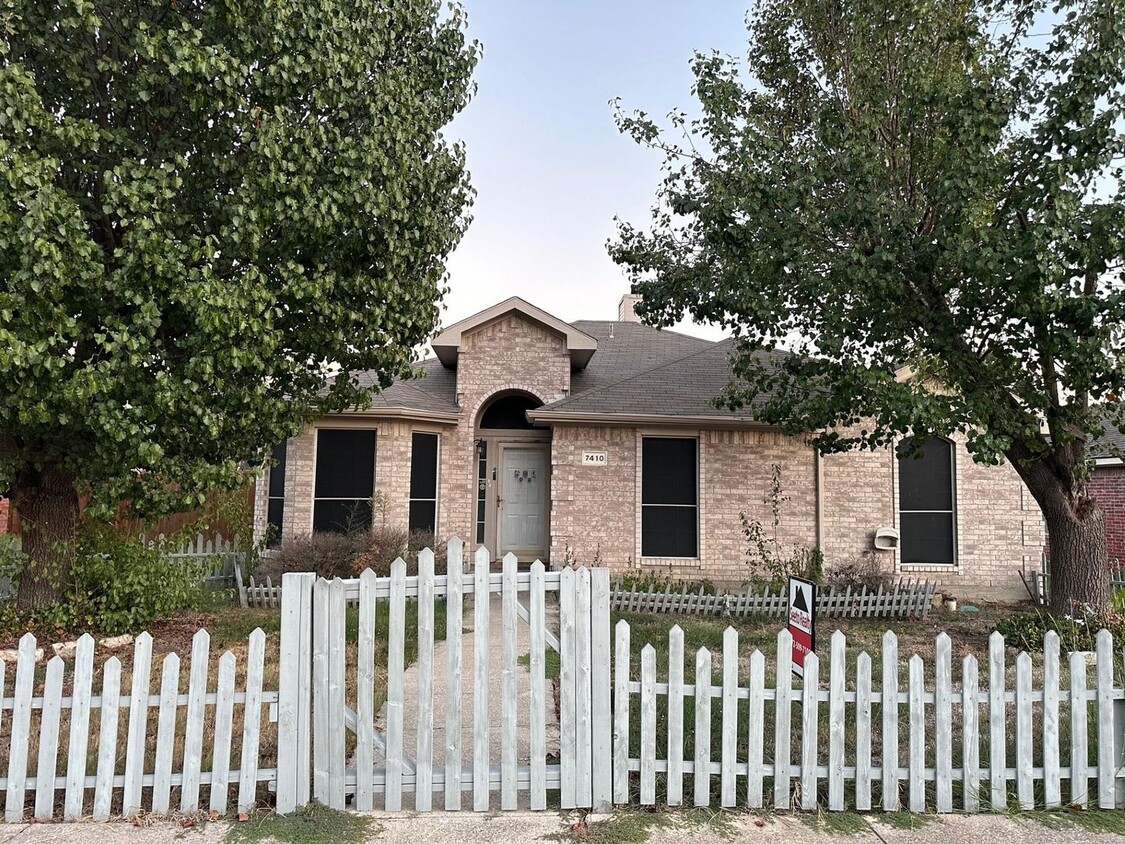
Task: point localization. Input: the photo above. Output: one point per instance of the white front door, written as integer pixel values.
(524, 499)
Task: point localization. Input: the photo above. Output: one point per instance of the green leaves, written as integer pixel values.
(200, 206)
(920, 188)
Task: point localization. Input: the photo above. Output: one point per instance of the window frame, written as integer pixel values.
(411, 498)
(374, 431)
(951, 512)
(276, 538)
(642, 505)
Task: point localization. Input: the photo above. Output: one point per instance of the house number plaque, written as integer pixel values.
(594, 458)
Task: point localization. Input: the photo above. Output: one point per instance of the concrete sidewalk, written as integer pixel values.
(494, 828)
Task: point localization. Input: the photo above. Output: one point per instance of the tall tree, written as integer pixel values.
(930, 187)
(208, 210)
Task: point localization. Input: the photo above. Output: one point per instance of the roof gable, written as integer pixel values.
(580, 345)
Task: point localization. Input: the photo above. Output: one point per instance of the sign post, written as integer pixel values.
(802, 621)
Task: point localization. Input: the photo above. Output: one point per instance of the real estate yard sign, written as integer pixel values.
(802, 621)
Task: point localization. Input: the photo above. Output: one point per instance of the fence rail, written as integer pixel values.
(904, 598)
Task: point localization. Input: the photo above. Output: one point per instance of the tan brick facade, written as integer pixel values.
(595, 511)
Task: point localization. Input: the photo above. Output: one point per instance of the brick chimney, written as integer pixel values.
(626, 309)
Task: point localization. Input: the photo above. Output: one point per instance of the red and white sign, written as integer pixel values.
(802, 621)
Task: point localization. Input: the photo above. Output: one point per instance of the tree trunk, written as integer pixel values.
(1079, 559)
(47, 502)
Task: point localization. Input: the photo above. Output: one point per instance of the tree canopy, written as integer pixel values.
(917, 186)
(208, 209)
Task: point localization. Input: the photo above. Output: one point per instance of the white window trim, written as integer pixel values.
(956, 479)
(686, 562)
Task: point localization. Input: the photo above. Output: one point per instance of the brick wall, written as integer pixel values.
(1108, 487)
(4, 512)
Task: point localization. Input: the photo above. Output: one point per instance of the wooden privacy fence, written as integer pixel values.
(905, 598)
(477, 703)
(114, 749)
(948, 746)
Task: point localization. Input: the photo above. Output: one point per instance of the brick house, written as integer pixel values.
(1107, 485)
(597, 440)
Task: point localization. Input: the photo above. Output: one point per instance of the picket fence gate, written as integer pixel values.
(315, 663)
(904, 598)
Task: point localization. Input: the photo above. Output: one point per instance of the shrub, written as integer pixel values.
(1077, 632)
(862, 570)
(332, 555)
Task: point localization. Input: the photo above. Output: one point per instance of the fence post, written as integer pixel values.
(294, 697)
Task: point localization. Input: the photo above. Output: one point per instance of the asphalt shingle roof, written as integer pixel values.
(636, 370)
(1111, 443)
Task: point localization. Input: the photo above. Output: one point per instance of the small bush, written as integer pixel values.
(1076, 632)
(332, 555)
(862, 570)
(657, 582)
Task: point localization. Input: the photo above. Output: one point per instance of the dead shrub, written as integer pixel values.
(865, 569)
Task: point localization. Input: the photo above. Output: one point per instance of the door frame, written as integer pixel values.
(499, 439)
(543, 448)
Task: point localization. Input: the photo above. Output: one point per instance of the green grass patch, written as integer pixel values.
(551, 664)
(311, 824)
(836, 823)
(624, 827)
(905, 820)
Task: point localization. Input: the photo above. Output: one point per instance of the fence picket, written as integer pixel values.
(165, 734)
(224, 718)
(49, 740)
(970, 734)
(567, 663)
(424, 744)
(1025, 792)
(107, 738)
(321, 717)
(365, 695)
(583, 729)
(538, 683)
(396, 695)
(620, 713)
(508, 689)
(782, 719)
(863, 732)
(79, 727)
(138, 722)
(675, 780)
(602, 792)
(193, 732)
(252, 722)
(648, 725)
(454, 622)
(810, 699)
(889, 707)
(836, 683)
(755, 725)
(1079, 752)
(728, 782)
(1107, 769)
(481, 647)
(1052, 790)
(997, 743)
(943, 724)
(917, 736)
(702, 769)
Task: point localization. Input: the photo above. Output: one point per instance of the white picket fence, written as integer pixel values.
(221, 553)
(905, 598)
(831, 741)
(107, 767)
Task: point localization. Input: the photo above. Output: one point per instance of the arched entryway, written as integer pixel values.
(513, 457)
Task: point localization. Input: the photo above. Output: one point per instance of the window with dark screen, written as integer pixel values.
(345, 480)
(275, 507)
(669, 497)
(926, 504)
(423, 482)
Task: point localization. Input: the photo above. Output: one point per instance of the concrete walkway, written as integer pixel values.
(493, 828)
(465, 699)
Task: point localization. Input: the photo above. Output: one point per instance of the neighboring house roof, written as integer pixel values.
(638, 373)
(1110, 446)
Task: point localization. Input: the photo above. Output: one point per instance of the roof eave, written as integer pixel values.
(1109, 461)
(412, 413)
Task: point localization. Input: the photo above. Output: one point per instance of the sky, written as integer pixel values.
(550, 169)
